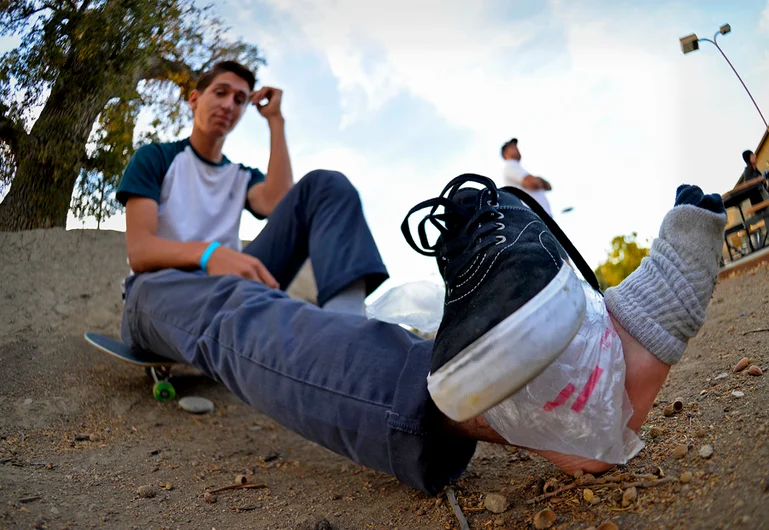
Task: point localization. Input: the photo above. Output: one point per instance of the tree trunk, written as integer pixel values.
(37, 198)
(51, 159)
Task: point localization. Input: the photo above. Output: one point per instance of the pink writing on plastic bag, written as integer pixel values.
(581, 401)
(562, 398)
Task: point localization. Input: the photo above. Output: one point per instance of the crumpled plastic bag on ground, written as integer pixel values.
(415, 304)
(577, 406)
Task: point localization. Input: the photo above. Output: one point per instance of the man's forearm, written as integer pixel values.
(279, 178)
(154, 253)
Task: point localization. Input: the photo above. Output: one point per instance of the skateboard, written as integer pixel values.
(157, 367)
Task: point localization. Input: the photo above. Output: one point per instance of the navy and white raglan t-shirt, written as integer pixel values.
(198, 200)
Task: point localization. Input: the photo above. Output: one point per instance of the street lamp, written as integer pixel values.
(691, 43)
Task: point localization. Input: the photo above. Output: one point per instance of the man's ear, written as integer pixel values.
(194, 95)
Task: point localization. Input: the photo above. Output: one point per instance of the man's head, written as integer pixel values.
(749, 157)
(510, 150)
(221, 97)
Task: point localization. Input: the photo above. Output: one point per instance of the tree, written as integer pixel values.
(624, 257)
(72, 92)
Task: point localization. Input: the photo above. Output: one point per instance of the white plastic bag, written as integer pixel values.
(416, 304)
(578, 405)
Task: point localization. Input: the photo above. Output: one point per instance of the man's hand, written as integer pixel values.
(227, 261)
(271, 109)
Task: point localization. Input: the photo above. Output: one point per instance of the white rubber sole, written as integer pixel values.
(501, 362)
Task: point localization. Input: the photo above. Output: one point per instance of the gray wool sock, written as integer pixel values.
(349, 300)
(662, 303)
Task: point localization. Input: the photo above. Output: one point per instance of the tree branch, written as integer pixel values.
(11, 132)
(161, 69)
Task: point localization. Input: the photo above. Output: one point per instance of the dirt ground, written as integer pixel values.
(80, 433)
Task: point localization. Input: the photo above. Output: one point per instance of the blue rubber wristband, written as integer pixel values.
(207, 254)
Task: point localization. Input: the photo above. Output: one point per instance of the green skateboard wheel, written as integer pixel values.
(163, 391)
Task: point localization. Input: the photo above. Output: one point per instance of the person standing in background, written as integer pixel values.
(515, 175)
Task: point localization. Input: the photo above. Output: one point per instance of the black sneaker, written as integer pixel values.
(512, 303)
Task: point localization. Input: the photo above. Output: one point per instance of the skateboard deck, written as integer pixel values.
(117, 349)
(157, 367)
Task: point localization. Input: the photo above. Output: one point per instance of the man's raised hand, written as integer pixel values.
(270, 109)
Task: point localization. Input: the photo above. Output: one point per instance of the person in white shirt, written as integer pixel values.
(515, 175)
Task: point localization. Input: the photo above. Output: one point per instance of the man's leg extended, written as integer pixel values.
(656, 310)
(352, 385)
(321, 218)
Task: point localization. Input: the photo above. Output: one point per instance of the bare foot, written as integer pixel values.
(644, 377)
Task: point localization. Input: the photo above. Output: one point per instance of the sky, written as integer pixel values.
(404, 95)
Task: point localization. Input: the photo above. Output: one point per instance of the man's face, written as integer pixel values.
(218, 109)
(753, 159)
(511, 152)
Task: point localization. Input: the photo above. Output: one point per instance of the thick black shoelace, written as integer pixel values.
(483, 216)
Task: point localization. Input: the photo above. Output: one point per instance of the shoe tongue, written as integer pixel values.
(466, 197)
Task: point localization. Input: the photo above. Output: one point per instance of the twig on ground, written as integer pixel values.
(759, 330)
(457, 510)
(239, 487)
(620, 480)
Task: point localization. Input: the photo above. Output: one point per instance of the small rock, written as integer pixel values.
(680, 450)
(686, 476)
(722, 375)
(439, 501)
(209, 498)
(496, 503)
(544, 518)
(146, 492)
(28, 401)
(578, 473)
(94, 437)
(738, 394)
(655, 432)
(668, 410)
(420, 512)
(196, 405)
(499, 521)
(740, 366)
(167, 486)
(701, 433)
(745, 519)
(629, 497)
(706, 451)
(595, 500)
(755, 370)
(608, 525)
(588, 494)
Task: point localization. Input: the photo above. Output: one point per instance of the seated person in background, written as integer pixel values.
(751, 170)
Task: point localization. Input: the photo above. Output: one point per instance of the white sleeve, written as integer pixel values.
(513, 173)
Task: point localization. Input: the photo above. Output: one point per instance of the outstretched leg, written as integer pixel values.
(655, 311)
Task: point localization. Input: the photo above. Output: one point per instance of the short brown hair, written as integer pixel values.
(225, 66)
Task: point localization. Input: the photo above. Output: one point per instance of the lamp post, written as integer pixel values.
(690, 43)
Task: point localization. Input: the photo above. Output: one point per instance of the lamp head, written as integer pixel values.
(726, 28)
(689, 43)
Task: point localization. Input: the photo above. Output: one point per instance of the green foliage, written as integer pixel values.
(74, 88)
(624, 257)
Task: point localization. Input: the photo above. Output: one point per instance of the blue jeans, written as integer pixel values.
(353, 385)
